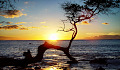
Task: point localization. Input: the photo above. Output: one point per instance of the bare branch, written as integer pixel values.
(64, 29)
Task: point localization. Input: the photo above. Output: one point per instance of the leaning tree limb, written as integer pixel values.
(41, 50)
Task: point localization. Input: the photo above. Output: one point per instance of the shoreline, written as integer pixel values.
(95, 63)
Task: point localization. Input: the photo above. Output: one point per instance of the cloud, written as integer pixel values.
(22, 9)
(11, 13)
(105, 23)
(96, 34)
(6, 22)
(2, 22)
(105, 37)
(20, 22)
(23, 28)
(113, 33)
(6, 38)
(42, 22)
(33, 27)
(84, 23)
(11, 27)
(26, 2)
(9, 22)
(44, 26)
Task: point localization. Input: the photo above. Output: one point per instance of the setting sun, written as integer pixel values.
(53, 37)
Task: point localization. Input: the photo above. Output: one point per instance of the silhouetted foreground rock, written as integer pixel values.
(99, 61)
(4, 61)
(100, 68)
(105, 61)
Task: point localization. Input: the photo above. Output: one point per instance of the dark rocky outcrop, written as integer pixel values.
(99, 61)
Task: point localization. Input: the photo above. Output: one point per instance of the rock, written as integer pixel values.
(99, 61)
(72, 62)
(100, 68)
(37, 68)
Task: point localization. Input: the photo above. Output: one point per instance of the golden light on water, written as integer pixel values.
(52, 55)
(52, 68)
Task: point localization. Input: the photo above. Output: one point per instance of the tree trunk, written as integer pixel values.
(73, 35)
(45, 46)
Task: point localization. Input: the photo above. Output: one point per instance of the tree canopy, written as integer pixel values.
(76, 13)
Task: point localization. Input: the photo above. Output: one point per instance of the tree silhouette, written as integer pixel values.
(7, 5)
(76, 13)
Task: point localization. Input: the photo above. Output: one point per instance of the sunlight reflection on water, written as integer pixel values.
(58, 66)
(52, 68)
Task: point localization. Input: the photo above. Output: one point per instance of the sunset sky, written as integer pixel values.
(41, 19)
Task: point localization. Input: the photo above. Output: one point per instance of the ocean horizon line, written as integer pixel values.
(60, 40)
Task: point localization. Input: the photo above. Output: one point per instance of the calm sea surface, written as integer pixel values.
(80, 49)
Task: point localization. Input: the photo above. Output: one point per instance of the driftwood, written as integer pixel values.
(41, 50)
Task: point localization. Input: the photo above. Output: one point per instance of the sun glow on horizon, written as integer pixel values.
(53, 36)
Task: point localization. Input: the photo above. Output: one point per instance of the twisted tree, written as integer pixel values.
(76, 13)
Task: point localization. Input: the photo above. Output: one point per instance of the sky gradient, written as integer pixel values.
(41, 19)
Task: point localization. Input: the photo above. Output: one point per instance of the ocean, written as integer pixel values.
(82, 50)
